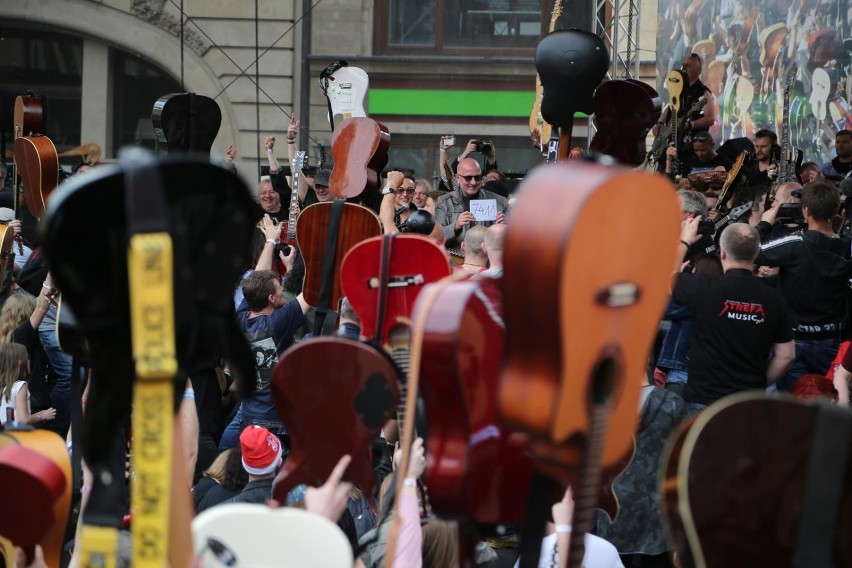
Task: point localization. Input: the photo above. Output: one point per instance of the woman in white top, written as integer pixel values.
(14, 395)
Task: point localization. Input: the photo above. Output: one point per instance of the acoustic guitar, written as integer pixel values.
(28, 116)
(676, 81)
(238, 534)
(35, 471)
(185, 122)
(625, 110)
(323, 249)
(478, 470)
(539, 129)
(38, 166)
(333, 396)
(572, 386)
(360, 150)
(788, 500)
(570, 64)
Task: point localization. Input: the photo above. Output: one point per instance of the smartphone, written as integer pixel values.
(449, 141)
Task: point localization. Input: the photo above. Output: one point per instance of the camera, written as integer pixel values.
(791, 213)
(282, 247)
(483, 147)
(706, 227)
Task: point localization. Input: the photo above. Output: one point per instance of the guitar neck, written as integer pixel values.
(296, 166)
(588, 487)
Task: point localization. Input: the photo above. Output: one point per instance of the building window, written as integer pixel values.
(51, 66)
(453, 26)
(136, 86)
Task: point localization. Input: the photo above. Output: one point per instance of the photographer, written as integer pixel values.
(815, 267)
(784, 216)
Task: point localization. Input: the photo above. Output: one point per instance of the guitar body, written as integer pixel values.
(737, 169)
(360, 150)
(333, 395)
(625, 110)
(347, 88)
(747, 515)
(356, 224)
(243, 530)
(35, 472)
(571, 64)
(38, 166)
(28, 116)
(185, 122)
(539, 129)
(477, 469)
(414, 262)
(550, 244)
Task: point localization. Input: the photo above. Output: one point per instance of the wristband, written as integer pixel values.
(408, 482)
(47, 287)
(293, 141)
(275, 172)
(388, 189)
(684, 243)
(563, 528)
(273, 242)
(269, 150)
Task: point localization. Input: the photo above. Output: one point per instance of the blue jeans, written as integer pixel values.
(812, 356)
(60, 362)
(231, 436)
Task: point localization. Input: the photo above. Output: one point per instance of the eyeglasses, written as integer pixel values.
(408, 190)
(702, 138)
(477, 177)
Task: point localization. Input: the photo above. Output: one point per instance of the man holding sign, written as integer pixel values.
(469, 205)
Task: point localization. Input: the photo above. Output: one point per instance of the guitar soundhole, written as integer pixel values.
(604, 377)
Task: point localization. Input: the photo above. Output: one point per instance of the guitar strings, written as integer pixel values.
(243, 72)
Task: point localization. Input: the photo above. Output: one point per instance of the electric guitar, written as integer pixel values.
(788, 501)
(539, 129)
(737, 169)
(572, 386)
(288, 231)
(346, 89)
(791, 158)
(732, 215)
(676, 82)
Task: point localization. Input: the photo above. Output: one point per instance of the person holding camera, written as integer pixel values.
(784, 216)
(814, 268)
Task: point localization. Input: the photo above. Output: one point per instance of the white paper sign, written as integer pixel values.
(484, 209)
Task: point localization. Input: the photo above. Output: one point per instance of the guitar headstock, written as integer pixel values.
(299, 162)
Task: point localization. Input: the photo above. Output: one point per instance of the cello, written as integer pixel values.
(570, 386)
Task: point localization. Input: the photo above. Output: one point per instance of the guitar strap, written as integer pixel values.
(384, 274)
(191, 123)
(825, 483)
(150, 268)
(321, 326)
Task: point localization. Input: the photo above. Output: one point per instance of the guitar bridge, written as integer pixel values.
(398, 281)
(618, 295)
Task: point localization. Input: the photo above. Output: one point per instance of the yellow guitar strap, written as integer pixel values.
(98, 546)
(153, 338)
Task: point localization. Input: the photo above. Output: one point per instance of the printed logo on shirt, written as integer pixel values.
(265, 357)
(743, 311)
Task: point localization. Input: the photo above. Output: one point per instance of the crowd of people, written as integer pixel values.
(758, 302)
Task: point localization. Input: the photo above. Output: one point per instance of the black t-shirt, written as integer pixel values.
(756, 177)
(842, 168)
(694, 165)
(736, 320)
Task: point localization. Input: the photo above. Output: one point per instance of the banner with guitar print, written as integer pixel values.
(748, 46)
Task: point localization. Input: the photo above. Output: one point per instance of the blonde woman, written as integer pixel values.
(14, 394)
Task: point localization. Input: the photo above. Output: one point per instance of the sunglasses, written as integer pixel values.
(477, 177)
(408, 190)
